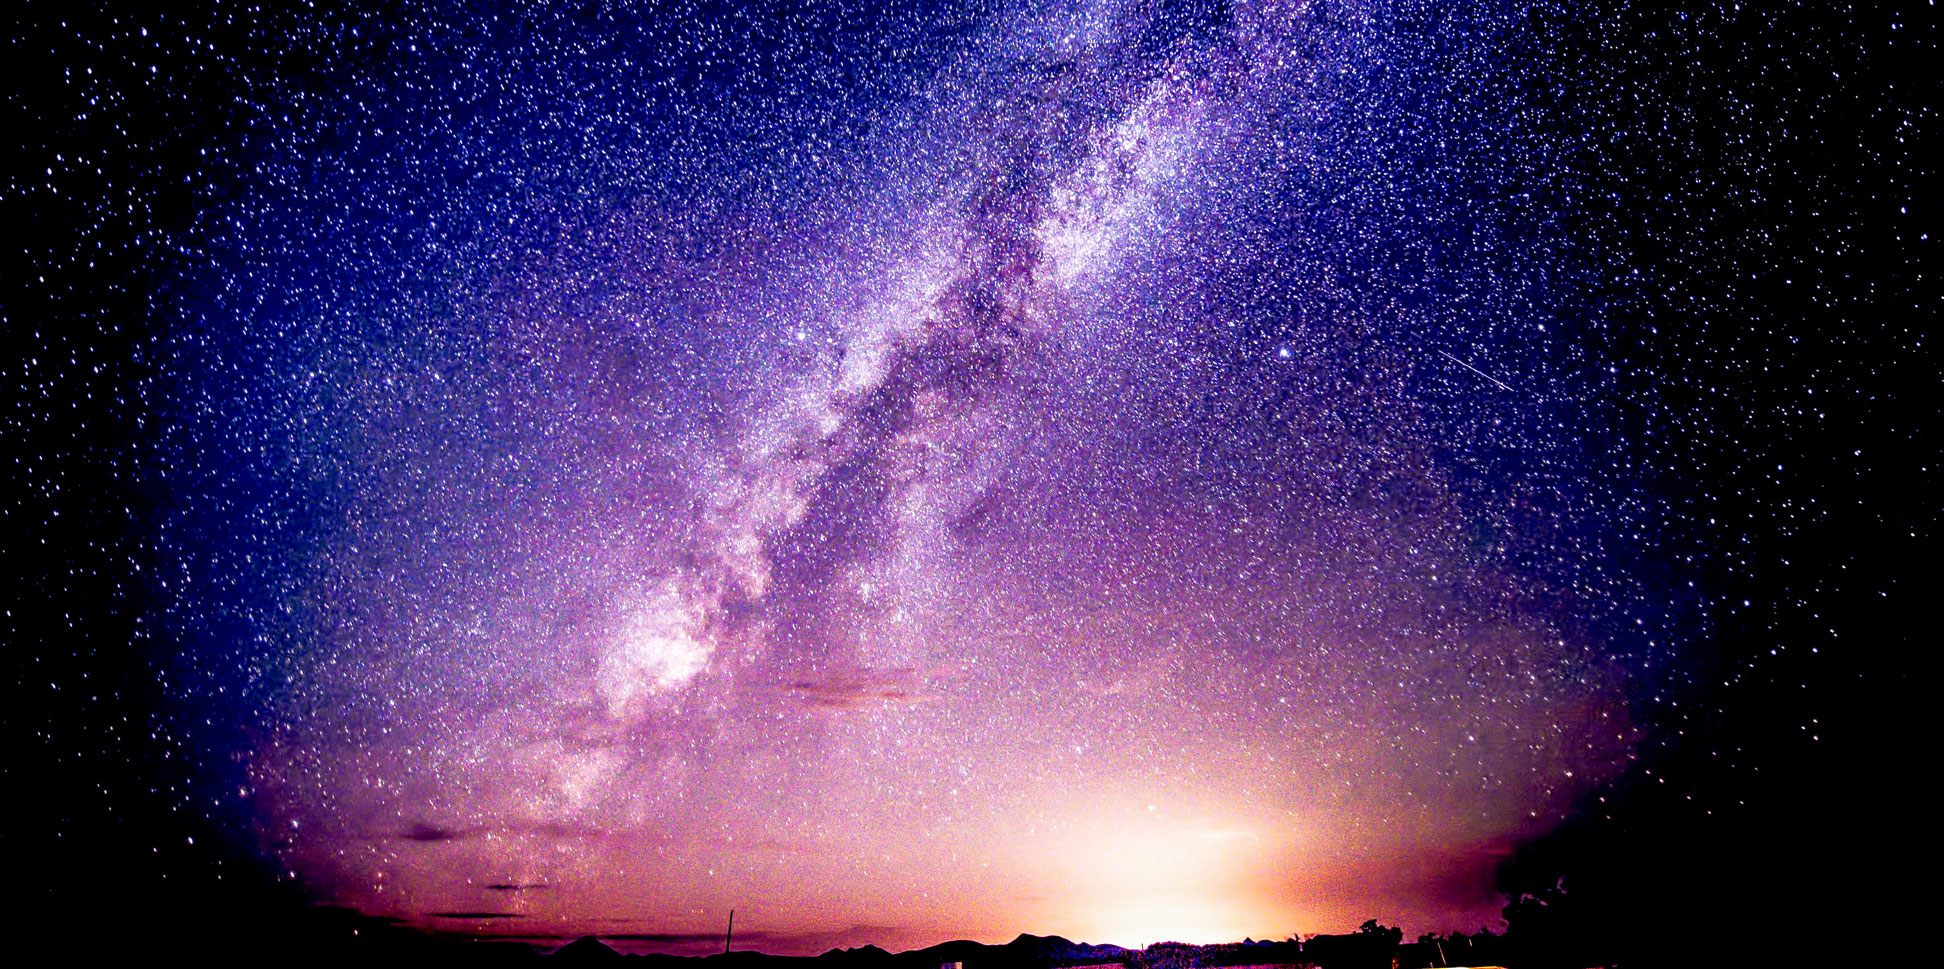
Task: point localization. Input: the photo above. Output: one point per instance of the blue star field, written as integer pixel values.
(1138, 471)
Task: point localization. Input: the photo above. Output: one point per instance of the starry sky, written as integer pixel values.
(1134, 471)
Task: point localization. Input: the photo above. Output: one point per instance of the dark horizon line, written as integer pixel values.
(710, 937)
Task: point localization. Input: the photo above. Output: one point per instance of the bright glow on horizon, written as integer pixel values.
(1150, 918)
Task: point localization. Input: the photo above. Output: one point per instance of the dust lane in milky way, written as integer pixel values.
(1130, 485)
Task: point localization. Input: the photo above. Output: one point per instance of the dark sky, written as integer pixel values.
(1130, 471)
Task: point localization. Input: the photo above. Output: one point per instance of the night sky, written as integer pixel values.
(1132, 471)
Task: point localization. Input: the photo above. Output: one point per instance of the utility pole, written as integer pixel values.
(731, 934)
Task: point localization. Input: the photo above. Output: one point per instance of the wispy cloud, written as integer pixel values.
(423, 832)
(792, 943)
(427, 833)
(860, 688)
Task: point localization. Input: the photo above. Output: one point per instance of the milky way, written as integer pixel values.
(1131, 471)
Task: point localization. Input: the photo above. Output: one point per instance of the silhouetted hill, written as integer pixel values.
(1024, 952)
(754, 960)
(587, 949)
(867, 955)
(1053, 950)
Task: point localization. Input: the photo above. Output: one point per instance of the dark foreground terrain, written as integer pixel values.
(340, 938)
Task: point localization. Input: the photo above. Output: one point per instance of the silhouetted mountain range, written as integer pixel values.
(1024, 952)
(1372, 947)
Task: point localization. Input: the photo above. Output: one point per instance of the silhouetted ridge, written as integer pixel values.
(365, 941)
(1056, 950)
(1041, 947)
(866, 954)
(1024, 952)
(750, 959)
(587, 949)
(957, 950)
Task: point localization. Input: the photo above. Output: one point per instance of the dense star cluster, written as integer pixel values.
(1128, 470)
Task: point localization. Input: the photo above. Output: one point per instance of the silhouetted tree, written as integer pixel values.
(1550, 927)
(1373, 928)
(1372, 946)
